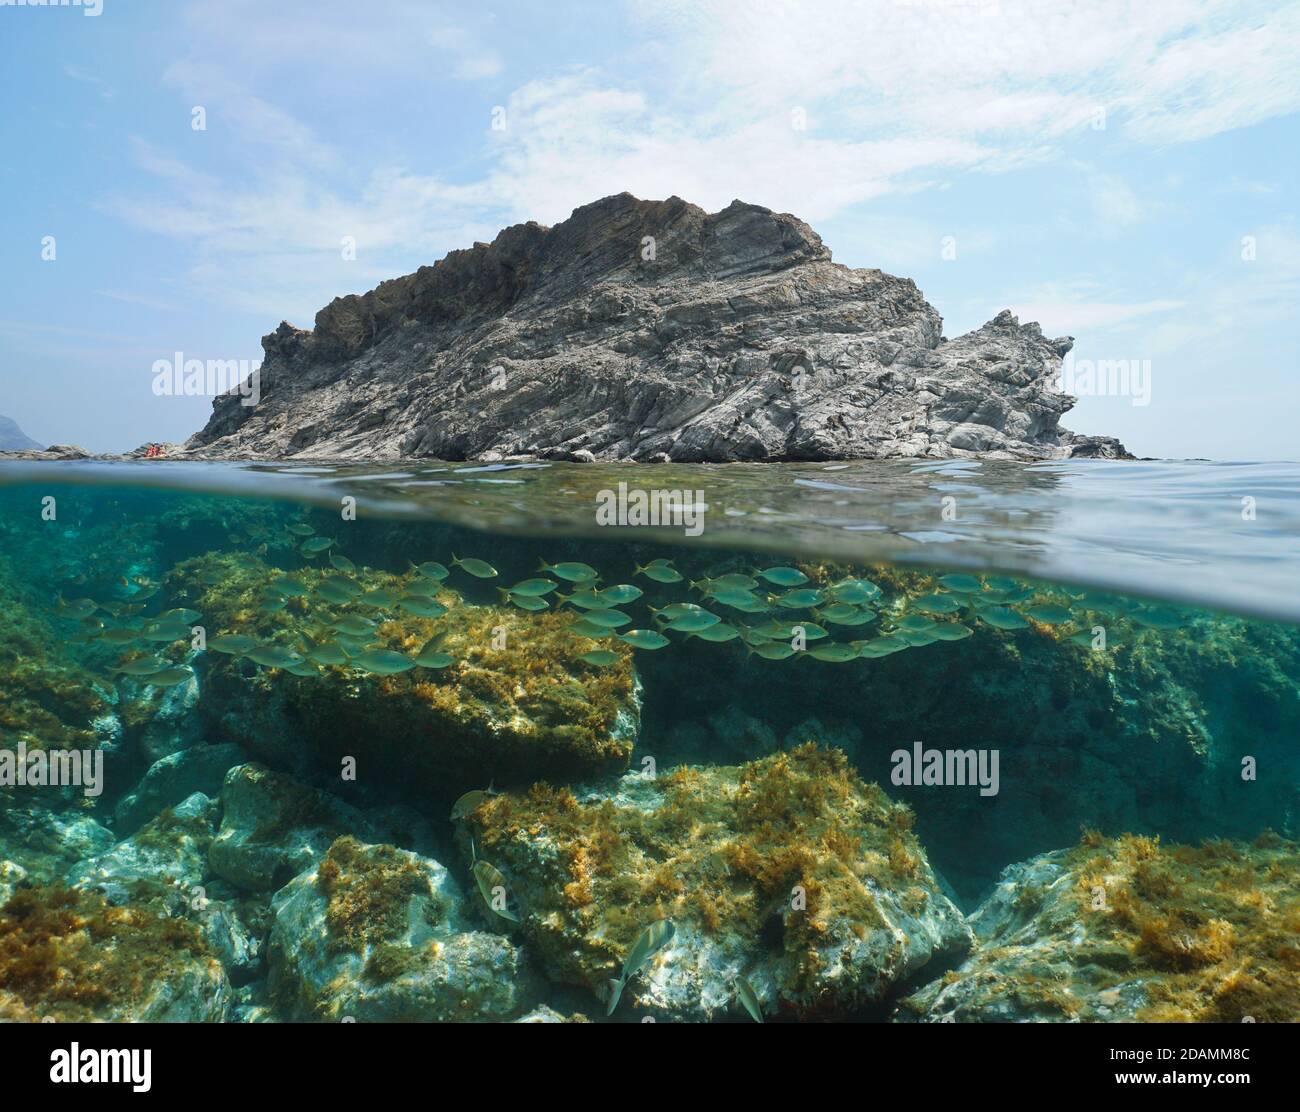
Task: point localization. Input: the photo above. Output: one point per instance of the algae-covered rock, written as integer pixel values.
(374, 933)
(172, 849)
(1128, 929)
(790, 871)
(70, 955)
(273, 827)
(513, 702)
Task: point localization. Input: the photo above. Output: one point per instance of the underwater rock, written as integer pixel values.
(273, 828)
(171, 779)
(12, 875)
(375, 934)
(737, 338)
(515, 703)
(70, 955)
(1128, 929)
(48, 699)
(46, 844)
(546, 1014)
(171, 848)
(729, 734)
(232, 938)
(790, 871)
(1153, 732)
(171, 723)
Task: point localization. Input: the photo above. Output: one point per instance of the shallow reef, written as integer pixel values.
(67, 954)
(1130, 929)
(514, 703)
(789, 871)
(381, 791)
(376, 933)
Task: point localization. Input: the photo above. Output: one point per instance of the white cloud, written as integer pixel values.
(896, 97)
(1165, 70)
(1076, 317)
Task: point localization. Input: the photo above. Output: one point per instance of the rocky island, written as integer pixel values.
(650, 331)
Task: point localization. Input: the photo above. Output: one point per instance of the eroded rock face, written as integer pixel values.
(1127, 929)
(789, 871)
(376, 934)
(650, 330)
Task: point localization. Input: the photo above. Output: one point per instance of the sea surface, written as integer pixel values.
(866, 741)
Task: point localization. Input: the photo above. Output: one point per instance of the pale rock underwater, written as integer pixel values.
(406, 771)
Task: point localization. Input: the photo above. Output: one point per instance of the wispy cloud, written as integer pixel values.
(813, 106)
(100, 85)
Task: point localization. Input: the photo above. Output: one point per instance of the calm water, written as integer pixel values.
(818, 742)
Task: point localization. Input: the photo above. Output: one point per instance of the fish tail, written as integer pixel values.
(615, 994)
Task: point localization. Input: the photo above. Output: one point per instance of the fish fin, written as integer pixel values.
(615, 994)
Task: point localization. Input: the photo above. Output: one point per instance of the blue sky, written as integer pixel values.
(1121, 172)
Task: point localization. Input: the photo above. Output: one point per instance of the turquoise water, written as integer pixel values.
(829, 742)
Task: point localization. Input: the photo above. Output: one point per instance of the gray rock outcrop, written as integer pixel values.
(651, 331)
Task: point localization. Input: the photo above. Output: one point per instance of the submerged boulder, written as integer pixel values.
(1128, 929)
(171, 849)
(71, 955)
(273, 827)
(509, 699)
(45, 844)
(790, 871)
(375, 934)
(172, 779)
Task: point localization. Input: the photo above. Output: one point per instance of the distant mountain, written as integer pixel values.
(13, 439)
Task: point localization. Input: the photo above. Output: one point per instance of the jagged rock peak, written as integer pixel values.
(649, 330)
